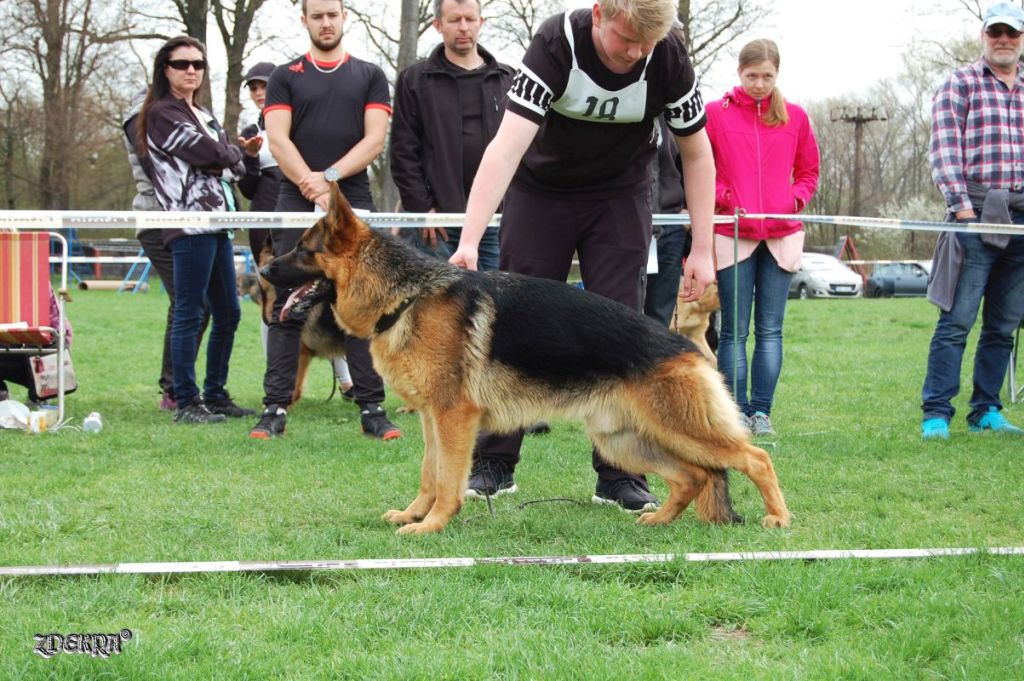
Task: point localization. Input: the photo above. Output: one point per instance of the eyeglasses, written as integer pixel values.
(183, 64)
(999, 30)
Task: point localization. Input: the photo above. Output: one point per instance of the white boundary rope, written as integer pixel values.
(84, 220)
(141, 220)
(514, 561)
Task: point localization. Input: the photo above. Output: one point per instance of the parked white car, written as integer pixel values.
(824, 276)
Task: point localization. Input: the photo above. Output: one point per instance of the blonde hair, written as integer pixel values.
(652, 19)
(757, 52)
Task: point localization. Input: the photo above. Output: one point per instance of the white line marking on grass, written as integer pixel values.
(417, 563)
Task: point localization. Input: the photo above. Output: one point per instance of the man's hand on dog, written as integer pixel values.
(697, 274)
(465, 257)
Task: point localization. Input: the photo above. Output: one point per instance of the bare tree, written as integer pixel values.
(235, 21)
(513, 22)
(711, 27)
(63, 45)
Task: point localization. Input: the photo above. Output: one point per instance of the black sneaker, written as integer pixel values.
(225, 405)
(271, 424)
(629, 494)
(375, 423)
(196, 412)
(490, 478)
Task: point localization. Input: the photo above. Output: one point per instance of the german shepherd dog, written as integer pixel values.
(694, 319)
(320, 337)
(500, 351)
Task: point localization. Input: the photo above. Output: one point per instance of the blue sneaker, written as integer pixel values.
(996, 422)
(935, 429)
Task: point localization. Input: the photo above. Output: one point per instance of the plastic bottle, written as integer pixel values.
(93, 423)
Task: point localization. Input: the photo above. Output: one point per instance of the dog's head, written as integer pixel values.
(323, 256)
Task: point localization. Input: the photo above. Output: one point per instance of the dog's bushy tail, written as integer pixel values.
(713, 504)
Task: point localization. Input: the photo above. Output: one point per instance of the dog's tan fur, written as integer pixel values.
(676, 420)
(693, 319)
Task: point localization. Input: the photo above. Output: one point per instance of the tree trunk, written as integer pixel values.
(193, 15)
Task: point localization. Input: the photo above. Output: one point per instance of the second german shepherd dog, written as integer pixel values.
(500, 351)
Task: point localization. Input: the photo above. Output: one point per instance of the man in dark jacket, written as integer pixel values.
(447, 109)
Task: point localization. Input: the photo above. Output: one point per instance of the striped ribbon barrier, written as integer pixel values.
(513, 561)
(85, 220)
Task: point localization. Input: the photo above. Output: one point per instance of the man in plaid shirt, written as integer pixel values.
(977, 158)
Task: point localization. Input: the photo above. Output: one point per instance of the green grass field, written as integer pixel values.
(849, 459)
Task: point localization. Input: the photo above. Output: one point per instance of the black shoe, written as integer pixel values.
(490, 478)
(196, 412)
(539, 428)
(225, 405)
(629, 494)
(271, 423)
(375, 423)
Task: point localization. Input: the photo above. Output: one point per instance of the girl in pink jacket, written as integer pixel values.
(766, 159)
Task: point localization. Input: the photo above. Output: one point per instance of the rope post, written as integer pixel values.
(735, 303)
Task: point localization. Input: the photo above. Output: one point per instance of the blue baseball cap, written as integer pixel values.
(1004, 13)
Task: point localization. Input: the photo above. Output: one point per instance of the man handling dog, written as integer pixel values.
(574, 151)
(326, 115)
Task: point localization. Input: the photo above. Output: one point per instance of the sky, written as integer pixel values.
(835, 48)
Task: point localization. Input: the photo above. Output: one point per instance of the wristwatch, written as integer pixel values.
(332, 174)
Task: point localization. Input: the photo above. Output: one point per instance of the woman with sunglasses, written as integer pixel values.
(192, 162)
(767, 162)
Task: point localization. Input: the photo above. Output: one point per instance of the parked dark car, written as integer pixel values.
(897, 279)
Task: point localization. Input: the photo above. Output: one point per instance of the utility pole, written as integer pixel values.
(858, 115)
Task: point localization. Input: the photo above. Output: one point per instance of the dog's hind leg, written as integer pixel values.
(713, 504)
(423, 502)
(684, 483)
(755, 463)
(305, 356)
(456, 430)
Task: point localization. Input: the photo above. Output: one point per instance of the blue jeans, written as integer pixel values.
(998, 277)
(764, 286)
(663, 287)
(204, 273)
(487, 251)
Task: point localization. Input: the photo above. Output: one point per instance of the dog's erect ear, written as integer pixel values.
(342, 223)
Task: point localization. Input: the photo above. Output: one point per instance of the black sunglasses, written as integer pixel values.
(999, 30)
(183, 64)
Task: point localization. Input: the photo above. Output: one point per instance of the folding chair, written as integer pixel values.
(25, 300)
(1016, 391)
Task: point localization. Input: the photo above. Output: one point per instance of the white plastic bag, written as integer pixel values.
(13, 414)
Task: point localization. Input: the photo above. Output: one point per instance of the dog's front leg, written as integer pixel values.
(421, 505)
(456, 429)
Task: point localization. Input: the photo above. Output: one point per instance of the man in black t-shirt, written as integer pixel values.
(447, 109)
(581, 118)
(326, 116)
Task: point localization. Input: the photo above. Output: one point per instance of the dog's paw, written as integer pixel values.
(652, 519)
(396, 517)
(420, 528)
(775, 521)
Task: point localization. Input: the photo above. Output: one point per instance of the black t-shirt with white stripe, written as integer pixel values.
(584, 159)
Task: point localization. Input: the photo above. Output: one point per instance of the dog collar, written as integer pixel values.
(388, 320)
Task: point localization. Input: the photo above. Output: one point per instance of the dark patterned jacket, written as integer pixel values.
(187, 165)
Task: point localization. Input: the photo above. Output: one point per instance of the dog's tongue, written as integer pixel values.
(295, 297)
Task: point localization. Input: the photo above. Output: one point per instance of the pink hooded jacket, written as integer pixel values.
(760, 168)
